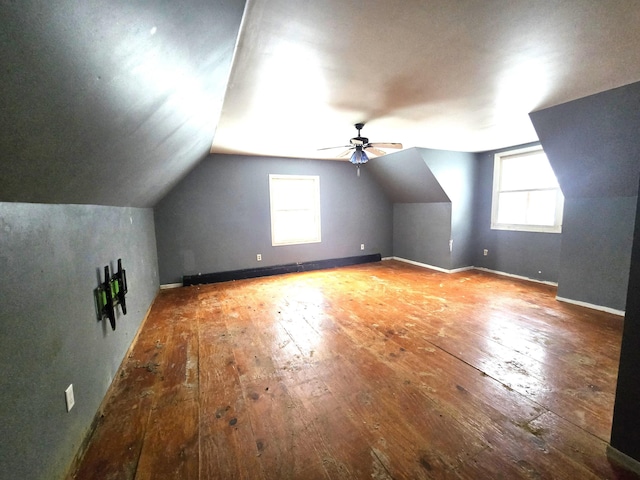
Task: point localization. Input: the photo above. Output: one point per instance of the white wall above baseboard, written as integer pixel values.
(170, 285)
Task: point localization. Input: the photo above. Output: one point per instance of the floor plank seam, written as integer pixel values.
(198, 315)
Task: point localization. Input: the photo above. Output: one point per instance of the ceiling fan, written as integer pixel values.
(362, 148)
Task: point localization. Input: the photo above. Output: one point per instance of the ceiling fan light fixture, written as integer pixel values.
(359, 156)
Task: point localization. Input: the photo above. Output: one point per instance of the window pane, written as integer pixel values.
(293, 193)
(512, 208)
(542, 208)
(294, 226)
(526, 172)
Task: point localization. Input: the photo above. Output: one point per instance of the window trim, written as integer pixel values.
(316, 209)
(497, 165)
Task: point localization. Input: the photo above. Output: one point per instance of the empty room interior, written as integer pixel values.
(332, 239)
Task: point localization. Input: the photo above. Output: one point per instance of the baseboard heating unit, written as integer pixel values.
(204, 278)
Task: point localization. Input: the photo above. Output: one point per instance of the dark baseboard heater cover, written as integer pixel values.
(200, 279)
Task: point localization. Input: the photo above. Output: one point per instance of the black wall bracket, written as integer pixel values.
(111, 293)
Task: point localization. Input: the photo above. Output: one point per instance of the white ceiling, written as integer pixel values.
(448, 74)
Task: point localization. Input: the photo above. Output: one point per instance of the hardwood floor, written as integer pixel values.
(380, 371)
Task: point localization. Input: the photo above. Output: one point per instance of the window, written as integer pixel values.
(295, 209)
(526, 194)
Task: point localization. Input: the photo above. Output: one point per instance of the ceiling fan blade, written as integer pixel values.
(386, 145)
(331, 148)
(375, 151)
(346, 153)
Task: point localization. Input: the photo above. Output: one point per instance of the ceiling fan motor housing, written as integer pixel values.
(359, 140)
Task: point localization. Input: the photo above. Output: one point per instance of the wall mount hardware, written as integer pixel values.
(111, 293)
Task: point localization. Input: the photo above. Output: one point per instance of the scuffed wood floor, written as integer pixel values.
(377, 371)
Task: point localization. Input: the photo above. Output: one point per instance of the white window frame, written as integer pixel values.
(313, 212)
(522, 152)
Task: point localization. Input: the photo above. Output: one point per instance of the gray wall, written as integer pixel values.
(421, 232)
(596, 252)
(217, 219)
(592, 145)
(430, 179)
(518, 253)
(49, 334)
(456, 172)
(421, 208)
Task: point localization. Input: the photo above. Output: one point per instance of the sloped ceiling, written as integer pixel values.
(112, 102)
(109, 102)
(593, 144)
(405, 178)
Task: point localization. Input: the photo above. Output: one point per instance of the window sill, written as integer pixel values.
(529, 228)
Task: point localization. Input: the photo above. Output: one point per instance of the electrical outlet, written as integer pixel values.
(259, 257)
(362, 246)
(485, 252)
(68, 395)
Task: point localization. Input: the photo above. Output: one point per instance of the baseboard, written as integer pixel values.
(431, 267)
(464, 269)
(75, 462)
(340, 262)
(623, 460)
(519, 277)
(200, 279)
(592, 306)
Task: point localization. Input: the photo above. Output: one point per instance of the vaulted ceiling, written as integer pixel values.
(459, 75)
(113, 102)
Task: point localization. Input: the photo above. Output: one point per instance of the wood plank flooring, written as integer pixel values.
(379, 371)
